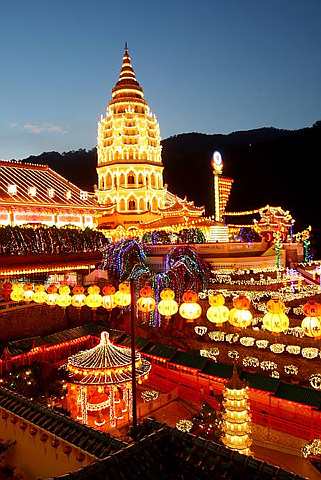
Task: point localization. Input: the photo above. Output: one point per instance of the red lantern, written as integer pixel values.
(23, 426)
(5, 415)
(190, 296)
(14, 420)
(109, 290)
(43, 437)
(33, 431)
(312, 309)
(241, 302)
(78, 289)
(80, 457)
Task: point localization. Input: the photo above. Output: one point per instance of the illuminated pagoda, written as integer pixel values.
(36, 194)
(99, 385)
(130, 169)
(236, 416)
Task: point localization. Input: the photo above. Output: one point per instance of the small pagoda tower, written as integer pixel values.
(99, 385)
(236, 416)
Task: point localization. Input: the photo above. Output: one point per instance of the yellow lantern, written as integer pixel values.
(217, 313)
(311, 324)
(78, 298)
(40, 295)
(17, 292)
(146, 302)
(123, 296)
(52, 295)
(167, 306)
(190, 309)
(28, 292)
(108, 299)
(93, 299)
(240, 316)
(63, 298)
(275, 320)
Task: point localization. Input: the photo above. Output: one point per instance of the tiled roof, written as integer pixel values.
(167, 454)
(43, 179)
(91, 441)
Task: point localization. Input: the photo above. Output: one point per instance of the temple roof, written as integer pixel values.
(127, 88)
(105, 364)
(91, 441)
(38, 185)
(165, 453)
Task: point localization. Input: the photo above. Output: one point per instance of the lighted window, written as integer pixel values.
(68, 194)
(83, 195)
(32, 191)
(12, 189)
(51, 192)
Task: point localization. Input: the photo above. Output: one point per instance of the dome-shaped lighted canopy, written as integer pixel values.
(105, 364)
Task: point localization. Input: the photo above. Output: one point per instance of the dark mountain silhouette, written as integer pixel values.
(269, 166)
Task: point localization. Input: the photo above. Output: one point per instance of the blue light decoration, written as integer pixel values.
(184, 270)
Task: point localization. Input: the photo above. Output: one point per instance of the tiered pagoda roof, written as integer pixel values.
(105, 364)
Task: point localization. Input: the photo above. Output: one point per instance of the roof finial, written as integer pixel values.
(126, 47)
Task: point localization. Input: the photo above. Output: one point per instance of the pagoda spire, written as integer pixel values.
(127, 88)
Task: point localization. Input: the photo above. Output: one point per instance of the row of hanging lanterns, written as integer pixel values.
(275, 320)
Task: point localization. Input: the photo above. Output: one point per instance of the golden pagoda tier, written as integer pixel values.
(236, 416)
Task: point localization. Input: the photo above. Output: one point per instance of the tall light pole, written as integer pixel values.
(133, 353)
(217, 165)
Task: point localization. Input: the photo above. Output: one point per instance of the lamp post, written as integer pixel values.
(132, 347)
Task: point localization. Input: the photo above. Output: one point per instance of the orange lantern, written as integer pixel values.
(146, 302)
(28, 292)
(40, 295)
(78, 297)
(63, 298)
(190, 309)
(167, 306)
(217, 313)
(108, 298)
(240, 316)
(311, 324)
(275, 320)
(93, 299)
(52, 295)
(123, 296)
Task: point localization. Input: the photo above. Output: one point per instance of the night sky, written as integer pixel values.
(208, 66)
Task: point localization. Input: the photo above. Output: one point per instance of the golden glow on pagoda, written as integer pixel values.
(130, 170)
(236, 417)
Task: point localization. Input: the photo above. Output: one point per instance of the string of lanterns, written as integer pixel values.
(275, 320)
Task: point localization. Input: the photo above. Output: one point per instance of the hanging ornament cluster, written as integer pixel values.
(311, 324)
(217, 313)
(190, 309)
(275, 320)
(240, 316)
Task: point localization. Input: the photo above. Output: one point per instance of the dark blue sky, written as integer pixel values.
(210, 66)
